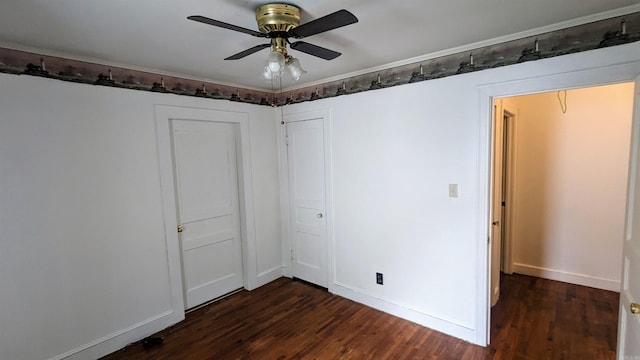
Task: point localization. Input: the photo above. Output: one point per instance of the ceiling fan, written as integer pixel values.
(279, 22)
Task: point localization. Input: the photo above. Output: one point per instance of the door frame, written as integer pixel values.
(163, 116)
(578, 76)
(509, 221)
(285, 205)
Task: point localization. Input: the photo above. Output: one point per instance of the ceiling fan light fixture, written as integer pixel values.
(279, 22)
(267, 74)
(294, 68)
(275, 62)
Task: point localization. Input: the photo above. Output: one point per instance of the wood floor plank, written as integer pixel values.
(288, 319)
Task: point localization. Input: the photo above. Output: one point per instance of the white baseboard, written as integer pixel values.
(119, 339)
(461, 331)
(564, 276)
(136, 332)
(268, 276)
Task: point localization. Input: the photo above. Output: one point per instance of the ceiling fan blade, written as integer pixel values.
(332, 21)
(206, 20)
(315, 50)
(247, 52)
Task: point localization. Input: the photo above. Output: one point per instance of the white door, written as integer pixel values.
(305, 150)
(206, 177)
(496, 205)
(629, 320)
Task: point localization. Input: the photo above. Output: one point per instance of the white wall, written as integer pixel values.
(394, 152)
(266, 195)
(570, 184)
(83, 256)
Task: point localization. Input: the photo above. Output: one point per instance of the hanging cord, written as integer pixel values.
(563, 101)
(281, 94)
(273, 96)
(274, 103)
(275, 99)
(281, 107)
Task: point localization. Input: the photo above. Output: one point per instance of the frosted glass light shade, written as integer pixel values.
(275, 62)
(294, 68)
(267, 73)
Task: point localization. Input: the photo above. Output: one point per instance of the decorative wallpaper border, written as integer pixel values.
(599, 34)
(21, 62)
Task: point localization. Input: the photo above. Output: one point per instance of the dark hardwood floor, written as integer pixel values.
(287, 319)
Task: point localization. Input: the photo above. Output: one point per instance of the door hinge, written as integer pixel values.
(488, 240)
(286, 140)
(291, 254)
(504, 203)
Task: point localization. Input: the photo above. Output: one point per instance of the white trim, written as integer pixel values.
(483, 265)
(283, 172)
(569, 277)
(328, 160)
(599, 69)
(165, 166)
(633, 162)
(511, 222)
(447, 326)
(269, 275)
(496, 109)
(247, 212)
(121, 338)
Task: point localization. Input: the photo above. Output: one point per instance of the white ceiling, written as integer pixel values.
(155, 34)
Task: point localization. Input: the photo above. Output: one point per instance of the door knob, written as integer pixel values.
(180, 228)
(319, 216)
(635, 308)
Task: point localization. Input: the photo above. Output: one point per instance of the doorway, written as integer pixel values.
(503, 170)
(234, 129)
(207, 195)
(307, 196)
(566, 172)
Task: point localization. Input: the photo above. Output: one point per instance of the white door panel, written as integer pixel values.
(629, 339)
(203, 152)
(629, 323)
(207, 232)
(207, 198)
(307, 200)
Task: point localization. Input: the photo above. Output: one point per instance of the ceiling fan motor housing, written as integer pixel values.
(277, 18)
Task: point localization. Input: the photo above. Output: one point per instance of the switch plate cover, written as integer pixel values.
(453, 190)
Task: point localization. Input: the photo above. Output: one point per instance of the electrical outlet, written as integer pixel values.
(379, 278)
(453, 190)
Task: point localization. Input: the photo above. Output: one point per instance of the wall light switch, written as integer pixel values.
(453, 190)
